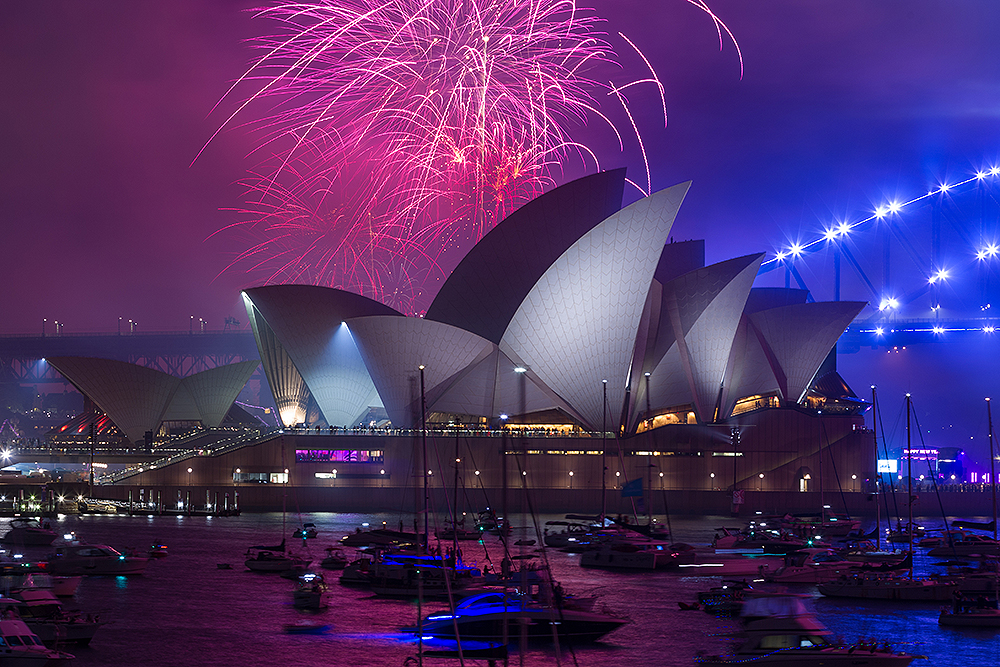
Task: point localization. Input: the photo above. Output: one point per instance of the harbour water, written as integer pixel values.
(185, 610)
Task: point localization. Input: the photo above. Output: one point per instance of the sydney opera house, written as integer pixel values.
(576, 345)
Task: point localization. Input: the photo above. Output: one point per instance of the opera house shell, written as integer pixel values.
(573, 313)
(138, 399)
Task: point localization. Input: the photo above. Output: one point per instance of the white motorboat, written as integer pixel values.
(264, 560)
(58, 586)
(484, 617)
(20, 647)
(96, 559)
(28, 531)
(43, 613)
(780, 631)
(308, 592)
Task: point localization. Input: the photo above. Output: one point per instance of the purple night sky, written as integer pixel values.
(843, 104)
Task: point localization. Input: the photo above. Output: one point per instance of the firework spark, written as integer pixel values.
(401, 129)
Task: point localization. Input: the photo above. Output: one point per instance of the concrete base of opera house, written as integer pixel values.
(267, 498)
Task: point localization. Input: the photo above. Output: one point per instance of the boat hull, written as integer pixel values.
(575, 626)
(111, 567)
(818, 658)
(987, 618)
(890, 589)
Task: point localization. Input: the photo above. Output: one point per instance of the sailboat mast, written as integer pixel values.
(878, 479)
(993, 474)
(454, 506)
(423, 444)
(909, 485)
(427, 535)
(604, 454)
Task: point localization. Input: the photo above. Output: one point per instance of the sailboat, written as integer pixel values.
(516, 611)
(274, 558)
(879, 586)
(981, 612)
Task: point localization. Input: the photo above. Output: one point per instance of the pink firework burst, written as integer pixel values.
(399, 130)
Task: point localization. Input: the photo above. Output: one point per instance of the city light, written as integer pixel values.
(888, 303)
(940, 275)
(989, 250)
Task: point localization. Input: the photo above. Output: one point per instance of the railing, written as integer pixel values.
(221, 446)
(446, 432)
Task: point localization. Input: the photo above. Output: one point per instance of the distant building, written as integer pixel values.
(130, 401)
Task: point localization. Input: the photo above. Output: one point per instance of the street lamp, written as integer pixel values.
(571, 479)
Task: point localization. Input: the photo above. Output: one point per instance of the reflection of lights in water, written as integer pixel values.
(121, 581)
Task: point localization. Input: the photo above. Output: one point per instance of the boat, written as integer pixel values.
(637, 555)
(961, 544)
(868, 554)
(308, 592)
(420, 575)
(968, 613)
(20, 647)
(94, 559)
(380, 537)
(58, 586)
(158, 551)
(729, 598)
(906, 533)
(487, 521)
(882, 587)
(758, 538)
(44, 614)
(572, 532)
(458, 532)
(812, 566)
(307, 531)
(273, 558)
(825, 523)
(496, 615)
(306, 627)
(780, 631)
(265, 560)
(335, 559)
(28, 531)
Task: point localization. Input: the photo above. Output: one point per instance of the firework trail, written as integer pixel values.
(400, 130)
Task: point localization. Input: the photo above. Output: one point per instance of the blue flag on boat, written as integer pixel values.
(633, 489)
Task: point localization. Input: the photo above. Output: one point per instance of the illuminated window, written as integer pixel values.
(339, 455)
